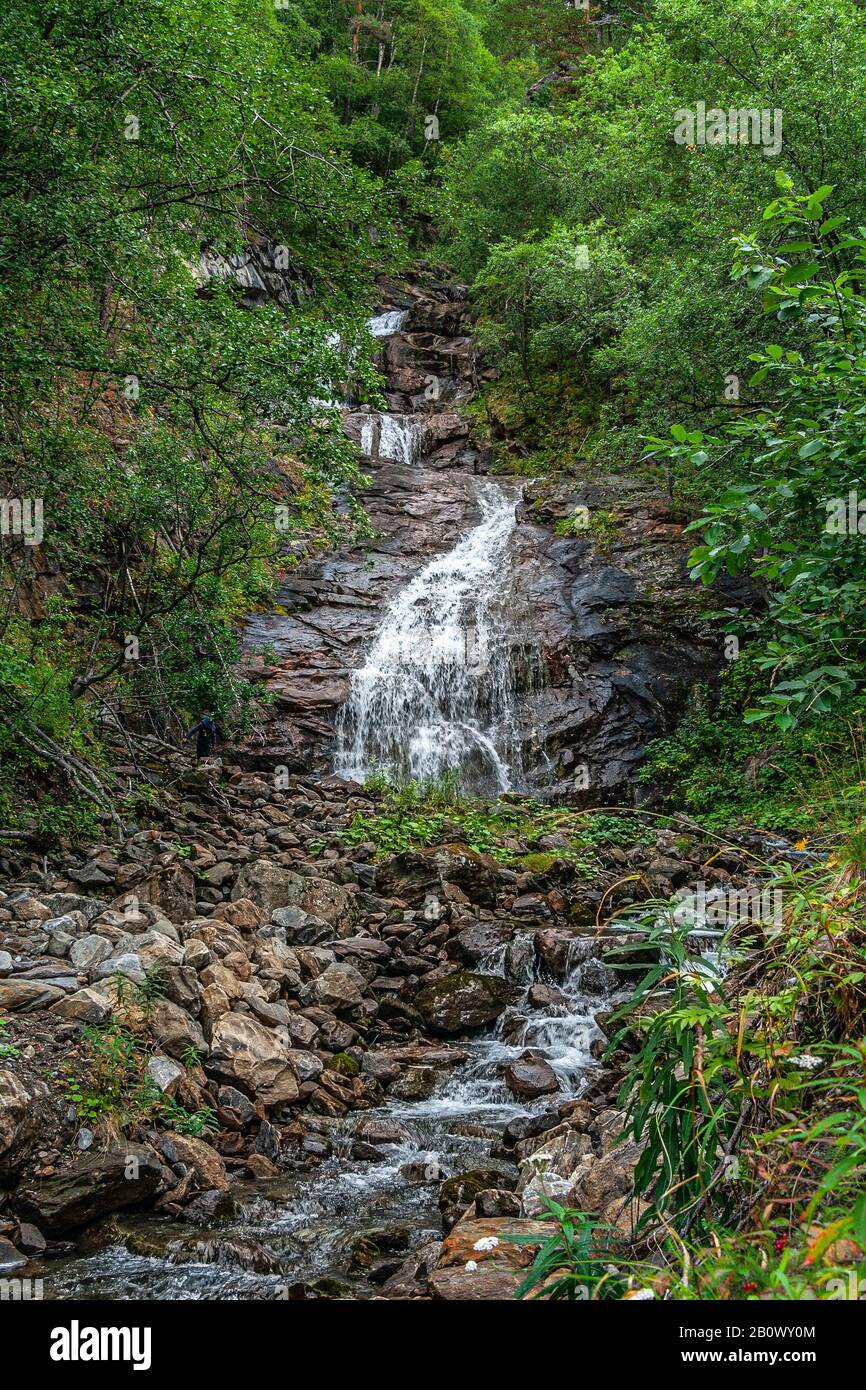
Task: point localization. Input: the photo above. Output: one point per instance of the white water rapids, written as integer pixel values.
(303, 1225)
(436, 691)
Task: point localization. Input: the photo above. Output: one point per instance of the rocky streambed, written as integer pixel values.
(458, 1131)
(400, 1057)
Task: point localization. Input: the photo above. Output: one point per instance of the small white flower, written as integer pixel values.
(471, 1266)
(486, 1243)
(807, 1060)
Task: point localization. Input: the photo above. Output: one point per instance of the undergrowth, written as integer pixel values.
(746, 1092)
(112, 1089)
(517, 831)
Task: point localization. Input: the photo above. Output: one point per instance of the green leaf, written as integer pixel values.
(810, 448)
(798, 274)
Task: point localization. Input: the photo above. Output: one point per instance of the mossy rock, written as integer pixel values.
(463, 1002)
(344, 1064)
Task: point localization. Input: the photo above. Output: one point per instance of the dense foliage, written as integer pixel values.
(651, 293)
(196, 198)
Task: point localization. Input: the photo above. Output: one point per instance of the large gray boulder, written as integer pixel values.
(254, 1058)
(272, 886)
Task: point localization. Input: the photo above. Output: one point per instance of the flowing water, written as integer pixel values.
(388, 322)
(436, 691)
(301, 1228)
(397, 437)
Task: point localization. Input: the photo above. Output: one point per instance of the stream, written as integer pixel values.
(300, 1229)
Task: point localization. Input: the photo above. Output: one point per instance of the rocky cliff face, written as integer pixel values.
(608, 634)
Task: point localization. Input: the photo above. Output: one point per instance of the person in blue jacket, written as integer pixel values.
(206, 731)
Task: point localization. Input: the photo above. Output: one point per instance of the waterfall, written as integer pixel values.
(391, 321)
(398, 437)
(436, 691)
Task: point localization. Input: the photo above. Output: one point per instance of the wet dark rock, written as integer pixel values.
(520, 958)
(410, 1279)
(477, 941)
(116, 1179)
(598, 978)
(525, 1126)
(531, 1075)
(414, 1083)
(10, 1257)
(268, 1141)
(30, 1239)
(459, 1192)
(542, 996)
(553, 949)
(368, 1248)
(207, 1207)
(463, 1002)
(512, 1026)
(531, 907)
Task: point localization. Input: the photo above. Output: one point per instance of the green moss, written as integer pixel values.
(344, 1064)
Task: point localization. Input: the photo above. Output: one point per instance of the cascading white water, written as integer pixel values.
(391, 321)
(436, 691)
(308, 1222)
(398, 437)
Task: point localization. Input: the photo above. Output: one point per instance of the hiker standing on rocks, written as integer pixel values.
(206, 730)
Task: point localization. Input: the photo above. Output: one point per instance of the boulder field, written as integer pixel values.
(245, 1000)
